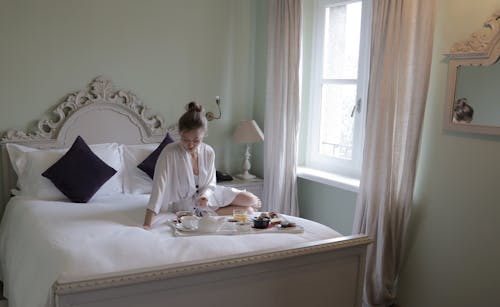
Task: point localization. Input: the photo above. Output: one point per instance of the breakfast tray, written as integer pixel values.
(228, 230)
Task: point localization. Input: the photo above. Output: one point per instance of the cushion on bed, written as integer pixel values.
(79, 173)
(148, 165)
(29, 163)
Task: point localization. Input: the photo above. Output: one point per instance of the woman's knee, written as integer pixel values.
(245, 199)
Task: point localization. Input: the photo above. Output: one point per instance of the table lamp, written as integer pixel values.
(247, 132)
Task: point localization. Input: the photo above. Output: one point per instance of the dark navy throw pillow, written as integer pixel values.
(79, 173)
(148, 165)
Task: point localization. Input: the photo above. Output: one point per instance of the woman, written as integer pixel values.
(184, 177)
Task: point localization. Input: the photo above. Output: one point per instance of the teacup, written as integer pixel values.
(183, 213)
(210, 223)
(189, 222)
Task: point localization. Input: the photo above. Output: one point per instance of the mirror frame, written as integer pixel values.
(481, 49)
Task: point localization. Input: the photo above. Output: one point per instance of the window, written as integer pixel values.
(339, 79)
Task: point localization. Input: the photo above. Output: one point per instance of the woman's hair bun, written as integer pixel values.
(192, 118)
(194, 107)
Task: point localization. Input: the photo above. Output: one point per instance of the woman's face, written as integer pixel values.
(190, 139)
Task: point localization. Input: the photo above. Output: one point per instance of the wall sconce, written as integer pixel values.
(210, 115)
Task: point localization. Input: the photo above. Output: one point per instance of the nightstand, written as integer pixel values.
(255, 186)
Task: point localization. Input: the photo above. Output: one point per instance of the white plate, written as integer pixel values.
(180, 227)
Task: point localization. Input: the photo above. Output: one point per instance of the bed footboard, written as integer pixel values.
(322, 273)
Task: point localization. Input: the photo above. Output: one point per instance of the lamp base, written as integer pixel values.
(246, 176)
(246, 166)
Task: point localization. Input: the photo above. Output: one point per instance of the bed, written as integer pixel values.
(54, 252)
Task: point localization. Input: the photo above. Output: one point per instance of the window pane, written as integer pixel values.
(342, 37)
(336, 135)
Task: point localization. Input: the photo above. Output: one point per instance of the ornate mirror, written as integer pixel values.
(473, 89)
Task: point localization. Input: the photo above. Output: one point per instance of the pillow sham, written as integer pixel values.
(79, 173)
(29, 163)
(135, 181)
(148, 165)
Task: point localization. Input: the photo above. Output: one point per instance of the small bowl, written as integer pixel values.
(261, 223)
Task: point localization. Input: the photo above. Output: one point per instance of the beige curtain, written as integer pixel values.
(402, 36)
(282, 106)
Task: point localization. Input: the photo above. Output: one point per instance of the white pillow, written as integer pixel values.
(135, 181)
(29, 164)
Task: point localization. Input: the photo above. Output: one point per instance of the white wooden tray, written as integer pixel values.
(228, 230)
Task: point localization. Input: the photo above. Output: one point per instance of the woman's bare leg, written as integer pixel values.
(242, 200)
(228, 210)
(247, 199)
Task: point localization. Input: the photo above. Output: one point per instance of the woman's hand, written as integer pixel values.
(148, 218)
(203, 201)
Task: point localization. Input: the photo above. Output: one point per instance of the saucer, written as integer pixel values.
(180, 227)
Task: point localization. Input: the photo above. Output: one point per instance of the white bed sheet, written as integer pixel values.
(45, 241)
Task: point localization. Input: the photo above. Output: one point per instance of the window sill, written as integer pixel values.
(333, 180)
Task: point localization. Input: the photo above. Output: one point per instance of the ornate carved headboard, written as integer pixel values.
(100, 114)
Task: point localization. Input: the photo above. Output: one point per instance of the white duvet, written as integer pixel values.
(45, 241)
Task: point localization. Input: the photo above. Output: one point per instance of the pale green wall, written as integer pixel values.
(260, 66)
(327, 205)
(168, 52)
(453, 251)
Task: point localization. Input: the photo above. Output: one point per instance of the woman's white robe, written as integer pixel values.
(174, 186)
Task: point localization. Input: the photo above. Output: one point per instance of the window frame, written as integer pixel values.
(313, 159)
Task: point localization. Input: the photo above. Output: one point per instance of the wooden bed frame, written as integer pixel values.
(322, 273)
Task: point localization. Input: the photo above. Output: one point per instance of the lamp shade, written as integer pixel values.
(248, 132)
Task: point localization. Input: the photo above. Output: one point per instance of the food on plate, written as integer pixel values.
(286, 224)
(267, 219)
(273, 215)
(264, 215)
(276, 220)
